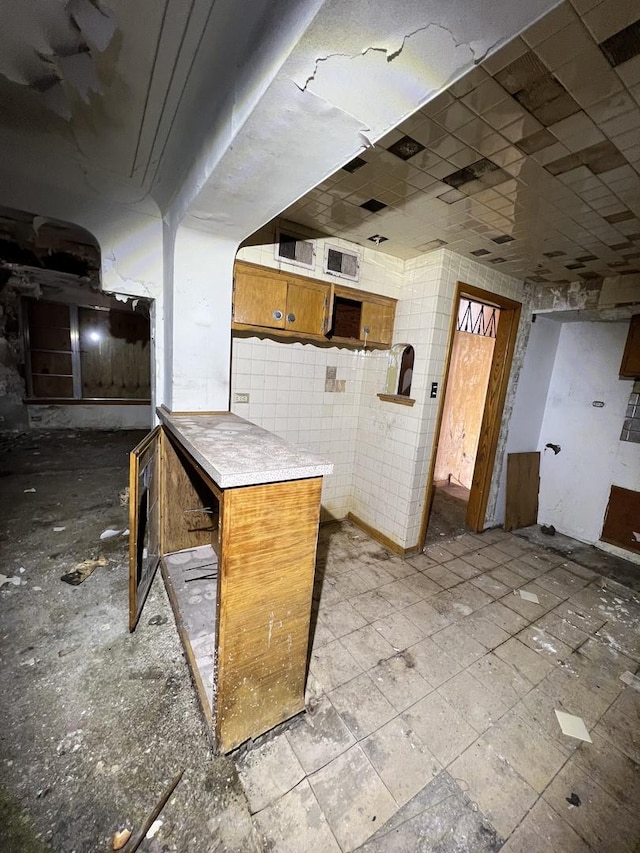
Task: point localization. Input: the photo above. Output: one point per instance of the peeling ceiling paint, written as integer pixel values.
(48, 47)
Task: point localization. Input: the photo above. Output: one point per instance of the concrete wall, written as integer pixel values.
(575, 484)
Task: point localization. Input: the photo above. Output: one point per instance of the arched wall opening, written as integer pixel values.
(71, 355)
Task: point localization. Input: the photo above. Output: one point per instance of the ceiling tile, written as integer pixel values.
(505, 56)
(564, 45)
(521, 73)
(525, 125)
(537, 141)
(551, 23)
(485, 96)
(454, 116)
(629, 73)
(610, 17)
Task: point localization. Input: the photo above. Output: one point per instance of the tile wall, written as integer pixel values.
(286, 382)
(381, 451)
(390, 483)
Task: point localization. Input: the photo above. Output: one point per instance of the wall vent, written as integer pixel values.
(294, 249)
(342, 264)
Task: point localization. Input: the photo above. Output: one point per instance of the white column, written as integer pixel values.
(199, 354)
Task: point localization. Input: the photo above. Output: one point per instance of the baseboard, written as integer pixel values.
(381, 538)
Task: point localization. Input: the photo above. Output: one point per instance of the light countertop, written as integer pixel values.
(236, 452)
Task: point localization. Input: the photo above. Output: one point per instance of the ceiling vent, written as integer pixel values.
(342, 264)
(295, 250)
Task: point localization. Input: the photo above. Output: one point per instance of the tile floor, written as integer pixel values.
(430, 706)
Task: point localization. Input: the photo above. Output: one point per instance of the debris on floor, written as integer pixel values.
(120, 838)
(528, 596)
(109, 533)
(574, 799)
(631, 679)
(82, 571)
(573, 726)
(13, 580)
(152, 824)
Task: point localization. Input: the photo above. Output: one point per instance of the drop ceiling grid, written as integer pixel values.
(541, 144)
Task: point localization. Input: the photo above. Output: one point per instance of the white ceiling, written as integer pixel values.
(552, 119)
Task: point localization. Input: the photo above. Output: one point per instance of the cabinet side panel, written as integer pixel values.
(267, 567)
(189, 509)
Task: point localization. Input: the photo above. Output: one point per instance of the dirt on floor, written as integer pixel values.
(96, 721)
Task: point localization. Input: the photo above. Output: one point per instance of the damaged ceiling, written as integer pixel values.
(530, 163)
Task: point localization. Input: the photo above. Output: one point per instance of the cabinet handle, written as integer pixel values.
(277, 314)
(291, 318)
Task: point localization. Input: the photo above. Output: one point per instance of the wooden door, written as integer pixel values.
(523, 485)
(307, 307)
(259, 298)
(376, 323)
(494, 405)
(631, 358)
(622, 519)
(144, 521)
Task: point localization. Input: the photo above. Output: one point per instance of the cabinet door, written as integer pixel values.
(259, 299)
(307, 307)
(377, 322)
(631, 359)
(144, 521)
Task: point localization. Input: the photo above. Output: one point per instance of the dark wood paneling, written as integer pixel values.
(523, 484)
(622, 519)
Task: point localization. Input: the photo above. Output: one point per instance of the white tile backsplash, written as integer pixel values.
(381, 451)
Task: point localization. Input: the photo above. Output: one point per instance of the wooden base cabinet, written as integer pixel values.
(262, 545)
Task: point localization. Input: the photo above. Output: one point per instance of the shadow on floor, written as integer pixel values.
(448, 511)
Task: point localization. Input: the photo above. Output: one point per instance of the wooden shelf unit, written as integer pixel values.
(264, 538)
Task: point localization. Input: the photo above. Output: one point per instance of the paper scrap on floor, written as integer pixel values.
(573, 726)
(528, 596)
(109, 533)
(631, 679)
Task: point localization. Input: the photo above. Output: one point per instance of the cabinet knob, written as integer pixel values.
(291, 318)
(277, 314)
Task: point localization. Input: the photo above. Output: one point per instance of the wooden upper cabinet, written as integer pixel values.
(377, 322)
(307, 307)
(259, 298)
(630, 366)
(272, 300)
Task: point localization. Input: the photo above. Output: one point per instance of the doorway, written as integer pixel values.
(481, 343)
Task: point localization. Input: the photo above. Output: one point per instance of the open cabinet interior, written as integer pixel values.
(238, 566)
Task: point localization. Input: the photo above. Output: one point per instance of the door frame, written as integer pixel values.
(500, 371)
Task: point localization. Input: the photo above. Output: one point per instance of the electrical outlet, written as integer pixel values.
(240, 398)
